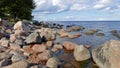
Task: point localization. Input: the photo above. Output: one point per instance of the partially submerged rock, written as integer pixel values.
(52, 62)
(69, 45)
(91, 31)
(81, 53)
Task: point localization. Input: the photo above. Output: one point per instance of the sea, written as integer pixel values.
(92, 40)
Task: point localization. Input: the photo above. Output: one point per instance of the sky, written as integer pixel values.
(76, 10)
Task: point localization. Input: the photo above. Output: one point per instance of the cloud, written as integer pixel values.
(108, 5)
(47, 7)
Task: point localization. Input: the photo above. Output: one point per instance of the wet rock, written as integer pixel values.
(18, 58)
(107, 55)
(20, 64)
(5, 62)
(20, 25)
(63, 33)
(100, 34)
(81, 53)
(114, 31)
(33, 38)
(52, 63)
(69, 45)
(39, 48)
(91, 31)
(71, 36)
(75, 28)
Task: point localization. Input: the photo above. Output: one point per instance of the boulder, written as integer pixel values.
(81, 53)
(48, 33)
(33, 38)
(63, 33)
(91, 31)
(20, 25)
(39, 48)
(18, 58)
(20, 64)
(57, 47)
(100, 34)
(45, 55)
(75, 28)
(69, 45)
(107, 55)
(52, 62)
(4, 42)
(15, 46)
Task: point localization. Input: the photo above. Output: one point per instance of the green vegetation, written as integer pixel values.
(16, 9)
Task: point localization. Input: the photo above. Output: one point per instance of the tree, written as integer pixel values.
(18, 9)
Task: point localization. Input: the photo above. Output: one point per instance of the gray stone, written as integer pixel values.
(18, 58)
(81, 53)
(107, 55)
(33, 38)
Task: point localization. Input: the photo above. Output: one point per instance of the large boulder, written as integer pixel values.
(107, 55)
(52, 62)
(69, 45)
(33, 38)
(20, 25)
(81, 53)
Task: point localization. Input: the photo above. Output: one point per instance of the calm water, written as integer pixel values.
(92, 40)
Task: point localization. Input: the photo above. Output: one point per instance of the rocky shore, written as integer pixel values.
(27, 45)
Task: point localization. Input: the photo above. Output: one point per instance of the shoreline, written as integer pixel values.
(25, 41)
